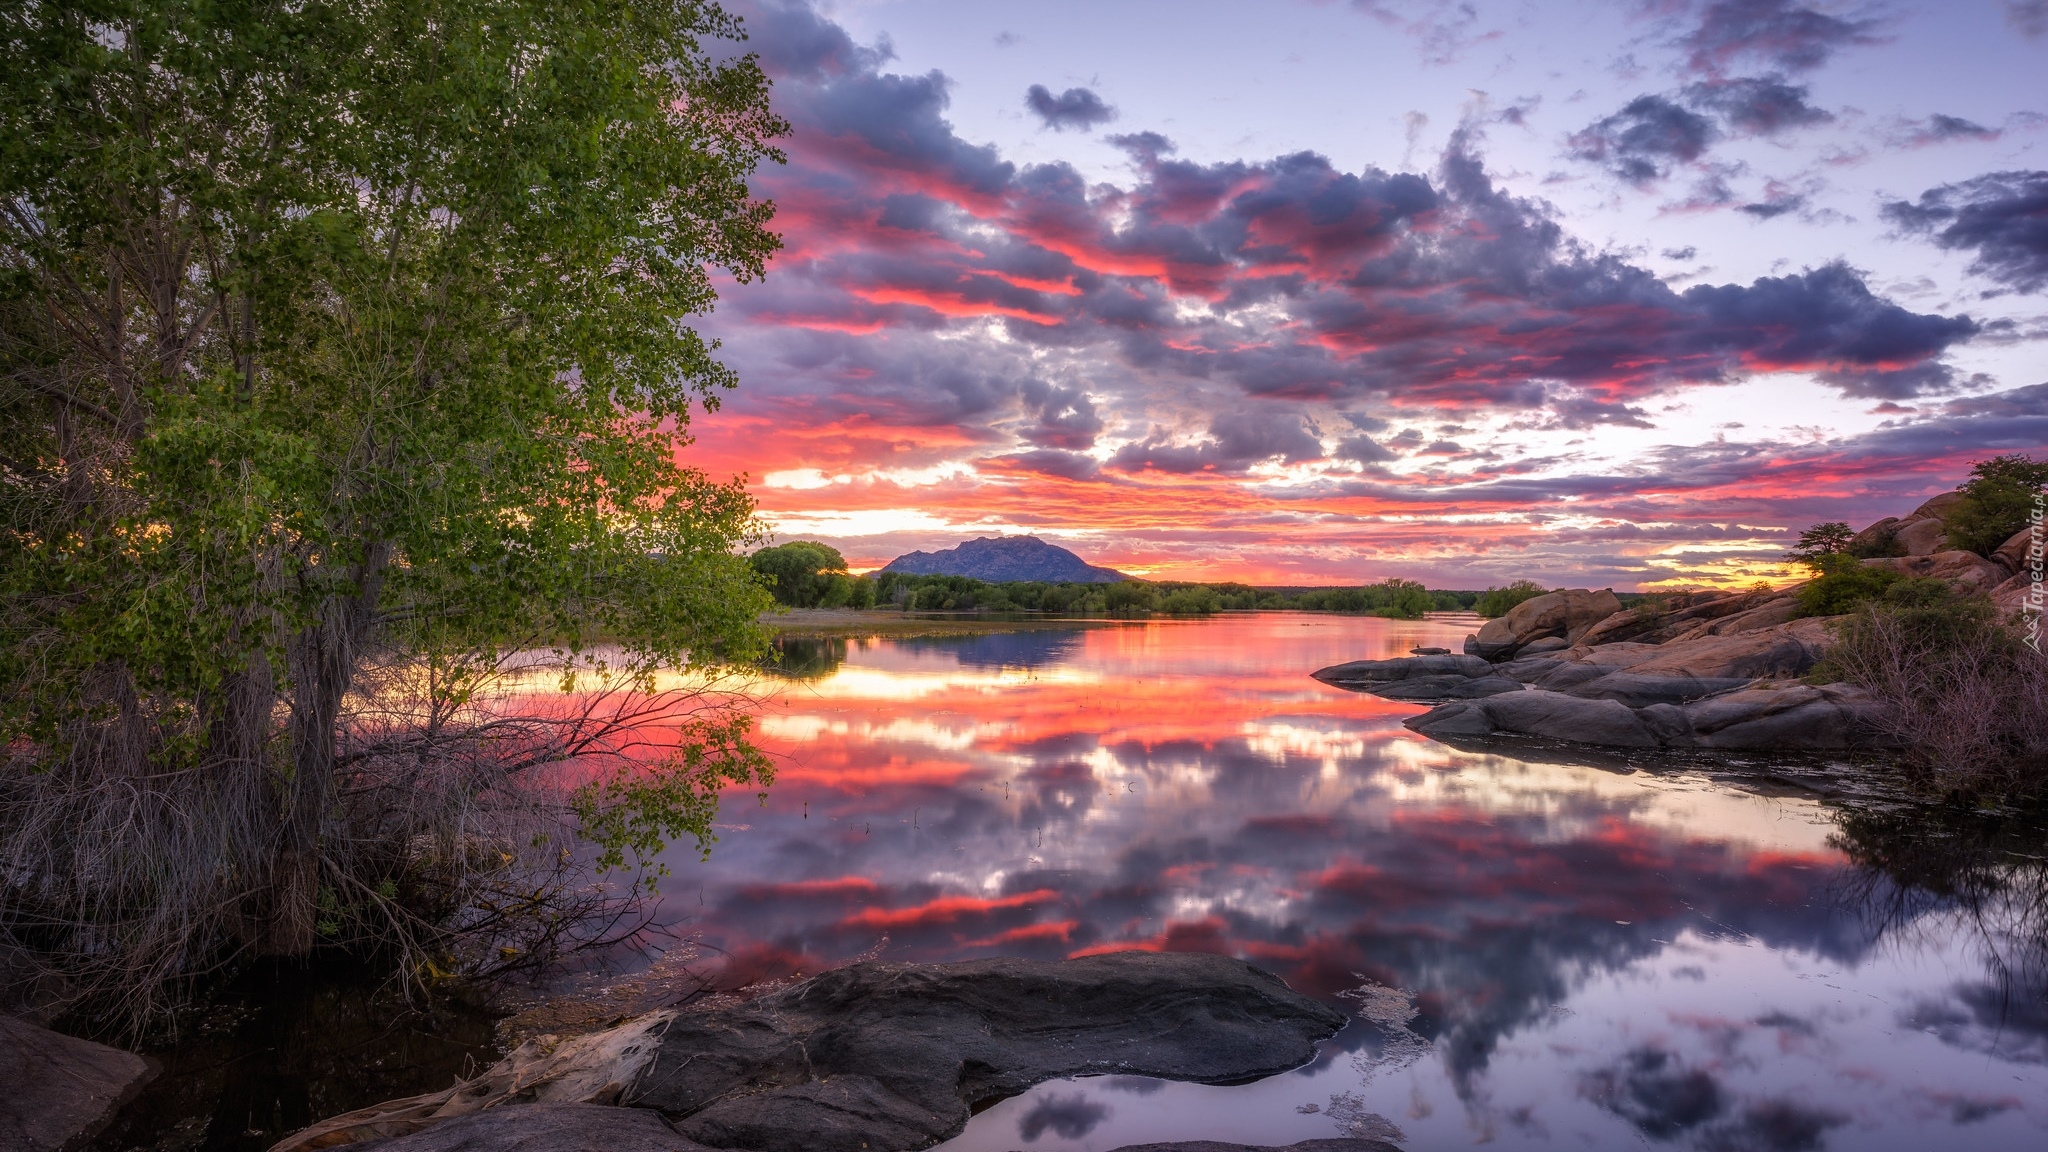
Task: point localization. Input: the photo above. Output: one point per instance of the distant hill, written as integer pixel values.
(1001, 559)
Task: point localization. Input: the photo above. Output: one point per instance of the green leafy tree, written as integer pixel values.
(1821, 540)
(1499, 601)
(804, 573)
(2001, 497)
(1842, 584)
(343, 339)
(1129, 598)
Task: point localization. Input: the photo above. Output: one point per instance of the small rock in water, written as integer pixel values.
(1429, 651)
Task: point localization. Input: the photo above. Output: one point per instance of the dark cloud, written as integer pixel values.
(1362, 450)
(1443, 29)
(1587, 412)
(2002, 217)
(1756, 106)
(1074, 108)
(1661, 1097)
(2028, 17)
(1783, 34)
(1235, 443)
(1640, 142)
(1942, 129)
(1064, 417)
(1772, 207)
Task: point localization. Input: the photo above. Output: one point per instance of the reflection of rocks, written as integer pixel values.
(60, 1090)
(893, 1056)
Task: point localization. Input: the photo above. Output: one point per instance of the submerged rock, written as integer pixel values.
(59, 1091)
(871, 1056)
(1775, 716)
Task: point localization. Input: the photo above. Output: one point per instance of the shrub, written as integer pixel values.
(1499, 601)
(1842, 585)
(1998, 500)
(1192, 601)
(802, 573)
(1956, 685)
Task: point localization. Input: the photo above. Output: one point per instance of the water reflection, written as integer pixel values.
(1587, 954)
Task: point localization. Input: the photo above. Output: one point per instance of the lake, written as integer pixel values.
(1544, 955)
(1541, 955)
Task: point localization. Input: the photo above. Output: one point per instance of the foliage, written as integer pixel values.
(1500, 601)
(335, 338)
(1841, 584)
(1393, 597)
(2003, 495)
(807, 574)
(1193, 600)
(1884, 542)
(1821, 540)
(1957, 686)
(1129, 598)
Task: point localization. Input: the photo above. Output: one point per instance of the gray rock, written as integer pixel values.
(1430, 689)
(1640, 689)
(1429, 651)
(2023, 548)
(1540, 647)
(60, 1090)
(1539, 713)
(1340, 1144)
(1566, 614)
(1402, 668)
(544, 1128)
(894, 1056)
(1922, 537)
(1958, 567)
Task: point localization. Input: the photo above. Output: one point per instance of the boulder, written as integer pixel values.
(1789, 649)
(1780, 717)
(1640, 690)
(1937, 507)
(1429, 651)
(1567, 614)
(894, 1056)
(1553, 715)
(2021, 594)
(60, 1090)
(1963, 568)
(1544, 646)
(871, 1056)
(1877, 537)
(1782, 609)
(1922, 537)
(1784, 717)
(2018, 552)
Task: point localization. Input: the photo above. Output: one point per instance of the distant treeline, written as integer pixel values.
(807, 574)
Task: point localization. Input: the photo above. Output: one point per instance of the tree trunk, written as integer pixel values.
(323, 664)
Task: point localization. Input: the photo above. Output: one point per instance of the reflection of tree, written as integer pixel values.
(1944, 870)
(805, 657)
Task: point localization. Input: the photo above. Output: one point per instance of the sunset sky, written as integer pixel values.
(1616, 292)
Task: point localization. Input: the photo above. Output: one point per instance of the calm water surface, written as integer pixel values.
(1541, 955)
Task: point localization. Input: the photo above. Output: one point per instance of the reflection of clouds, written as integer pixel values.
(1069, 1119)
(1145, 795)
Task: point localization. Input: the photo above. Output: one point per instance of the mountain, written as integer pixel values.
(1003, 558)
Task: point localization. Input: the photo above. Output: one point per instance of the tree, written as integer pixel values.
(1821, 540)
(1499, 601)
(344, 339)
(2002, 496)
(801, 573)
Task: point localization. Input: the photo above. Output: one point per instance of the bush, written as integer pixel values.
(1957, 685)
(1500, 601)
(1191, 601)
(1999, 499)
(1842, 585)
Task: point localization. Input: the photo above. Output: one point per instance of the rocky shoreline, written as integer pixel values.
(873, 1056)
(1714, 671)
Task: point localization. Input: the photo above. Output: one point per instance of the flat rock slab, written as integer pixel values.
(597, 1128)
(57, 1091)
(544, 1128)
(894, 1056)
